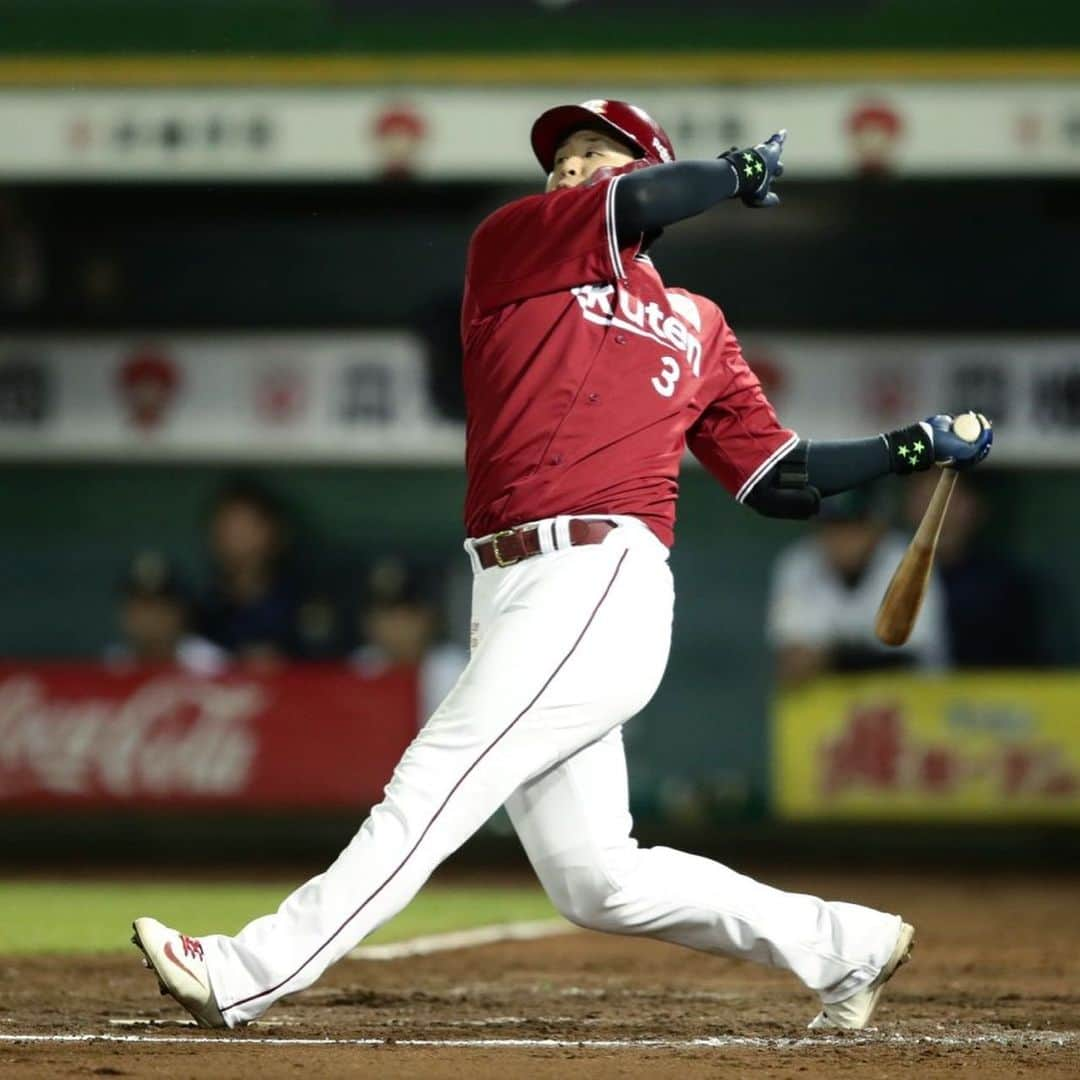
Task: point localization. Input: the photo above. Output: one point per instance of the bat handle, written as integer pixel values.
(926, 535)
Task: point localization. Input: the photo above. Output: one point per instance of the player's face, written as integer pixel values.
(581, 153)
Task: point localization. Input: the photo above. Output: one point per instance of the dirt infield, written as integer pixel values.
(993, 990)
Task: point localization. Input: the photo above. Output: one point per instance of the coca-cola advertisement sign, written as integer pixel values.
(316, 736)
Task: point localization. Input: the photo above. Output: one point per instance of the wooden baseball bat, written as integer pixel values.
(904, 596)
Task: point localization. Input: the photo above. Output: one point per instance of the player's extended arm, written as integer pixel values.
(650, 198)
(795, 485)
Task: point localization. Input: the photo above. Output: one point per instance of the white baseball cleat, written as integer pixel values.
(855, 1012)
(178, 962)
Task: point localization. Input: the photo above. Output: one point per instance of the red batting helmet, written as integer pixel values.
(624, 121)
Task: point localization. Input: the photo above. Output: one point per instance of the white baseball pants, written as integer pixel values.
(568, 645)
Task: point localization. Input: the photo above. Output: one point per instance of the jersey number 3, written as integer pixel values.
(664, 383)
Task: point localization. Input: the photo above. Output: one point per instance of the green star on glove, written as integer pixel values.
(918, 448)
(903, 452)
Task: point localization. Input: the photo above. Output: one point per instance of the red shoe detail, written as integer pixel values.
(192, 946)
(168, 951)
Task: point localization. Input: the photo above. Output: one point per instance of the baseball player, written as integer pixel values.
(586, 378)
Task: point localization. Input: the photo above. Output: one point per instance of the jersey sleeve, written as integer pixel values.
(546, 243)
(738, 437)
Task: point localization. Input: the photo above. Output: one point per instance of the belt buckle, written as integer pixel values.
(499, 560)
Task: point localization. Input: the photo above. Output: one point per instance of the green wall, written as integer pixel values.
(238, 26)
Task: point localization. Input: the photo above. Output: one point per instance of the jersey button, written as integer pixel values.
(556, 459)
(620, 339)
(594, 398)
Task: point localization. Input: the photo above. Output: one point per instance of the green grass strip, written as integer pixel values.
(90, 916)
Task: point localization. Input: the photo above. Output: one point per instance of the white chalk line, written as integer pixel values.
(1011, 1039)
(532, 930)
(487, 1021)
(150, 1023)
(153, 1022)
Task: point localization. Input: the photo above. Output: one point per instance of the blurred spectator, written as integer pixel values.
(319, 627)
(401, 626)
(825, 593)
(153, 616)
(22, 266)
(253, 605)
(991, 602)
(100, 282)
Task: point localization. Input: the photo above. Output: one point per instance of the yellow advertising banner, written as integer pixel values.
(979, 747)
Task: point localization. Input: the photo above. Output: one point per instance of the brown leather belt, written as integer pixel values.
(512, 545)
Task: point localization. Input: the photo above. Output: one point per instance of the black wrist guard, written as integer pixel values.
(910, 449)
(750, 170)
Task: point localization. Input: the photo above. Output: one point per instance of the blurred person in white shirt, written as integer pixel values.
(825, 593)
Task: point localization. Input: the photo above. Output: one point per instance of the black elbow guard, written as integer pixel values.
(785, 490)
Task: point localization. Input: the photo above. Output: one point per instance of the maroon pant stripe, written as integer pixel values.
(491, 746)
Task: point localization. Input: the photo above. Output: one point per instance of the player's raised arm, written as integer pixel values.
(584, 229)
(648, 199)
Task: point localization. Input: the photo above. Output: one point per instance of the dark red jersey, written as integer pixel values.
(586, 378)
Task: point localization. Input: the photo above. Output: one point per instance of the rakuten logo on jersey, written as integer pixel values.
(599, 305)
(169, 737)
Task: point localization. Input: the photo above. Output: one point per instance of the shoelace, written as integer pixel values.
(192, 946)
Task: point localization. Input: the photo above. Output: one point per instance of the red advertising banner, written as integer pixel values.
(311, 736)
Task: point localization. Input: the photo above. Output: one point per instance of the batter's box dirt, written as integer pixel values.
(992, 991)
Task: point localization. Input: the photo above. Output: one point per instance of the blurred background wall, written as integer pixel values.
(232, 238)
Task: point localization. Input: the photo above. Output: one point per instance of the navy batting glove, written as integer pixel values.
(933, 442)
(756, 168)
(950, 449)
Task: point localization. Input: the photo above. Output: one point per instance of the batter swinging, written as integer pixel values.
(586, 378)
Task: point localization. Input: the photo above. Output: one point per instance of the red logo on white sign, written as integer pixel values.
(148, 382)
(280, 395)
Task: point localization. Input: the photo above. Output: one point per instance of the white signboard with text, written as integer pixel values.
(364, 397)
(923, 129)
(847, 387)
(337, 397)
